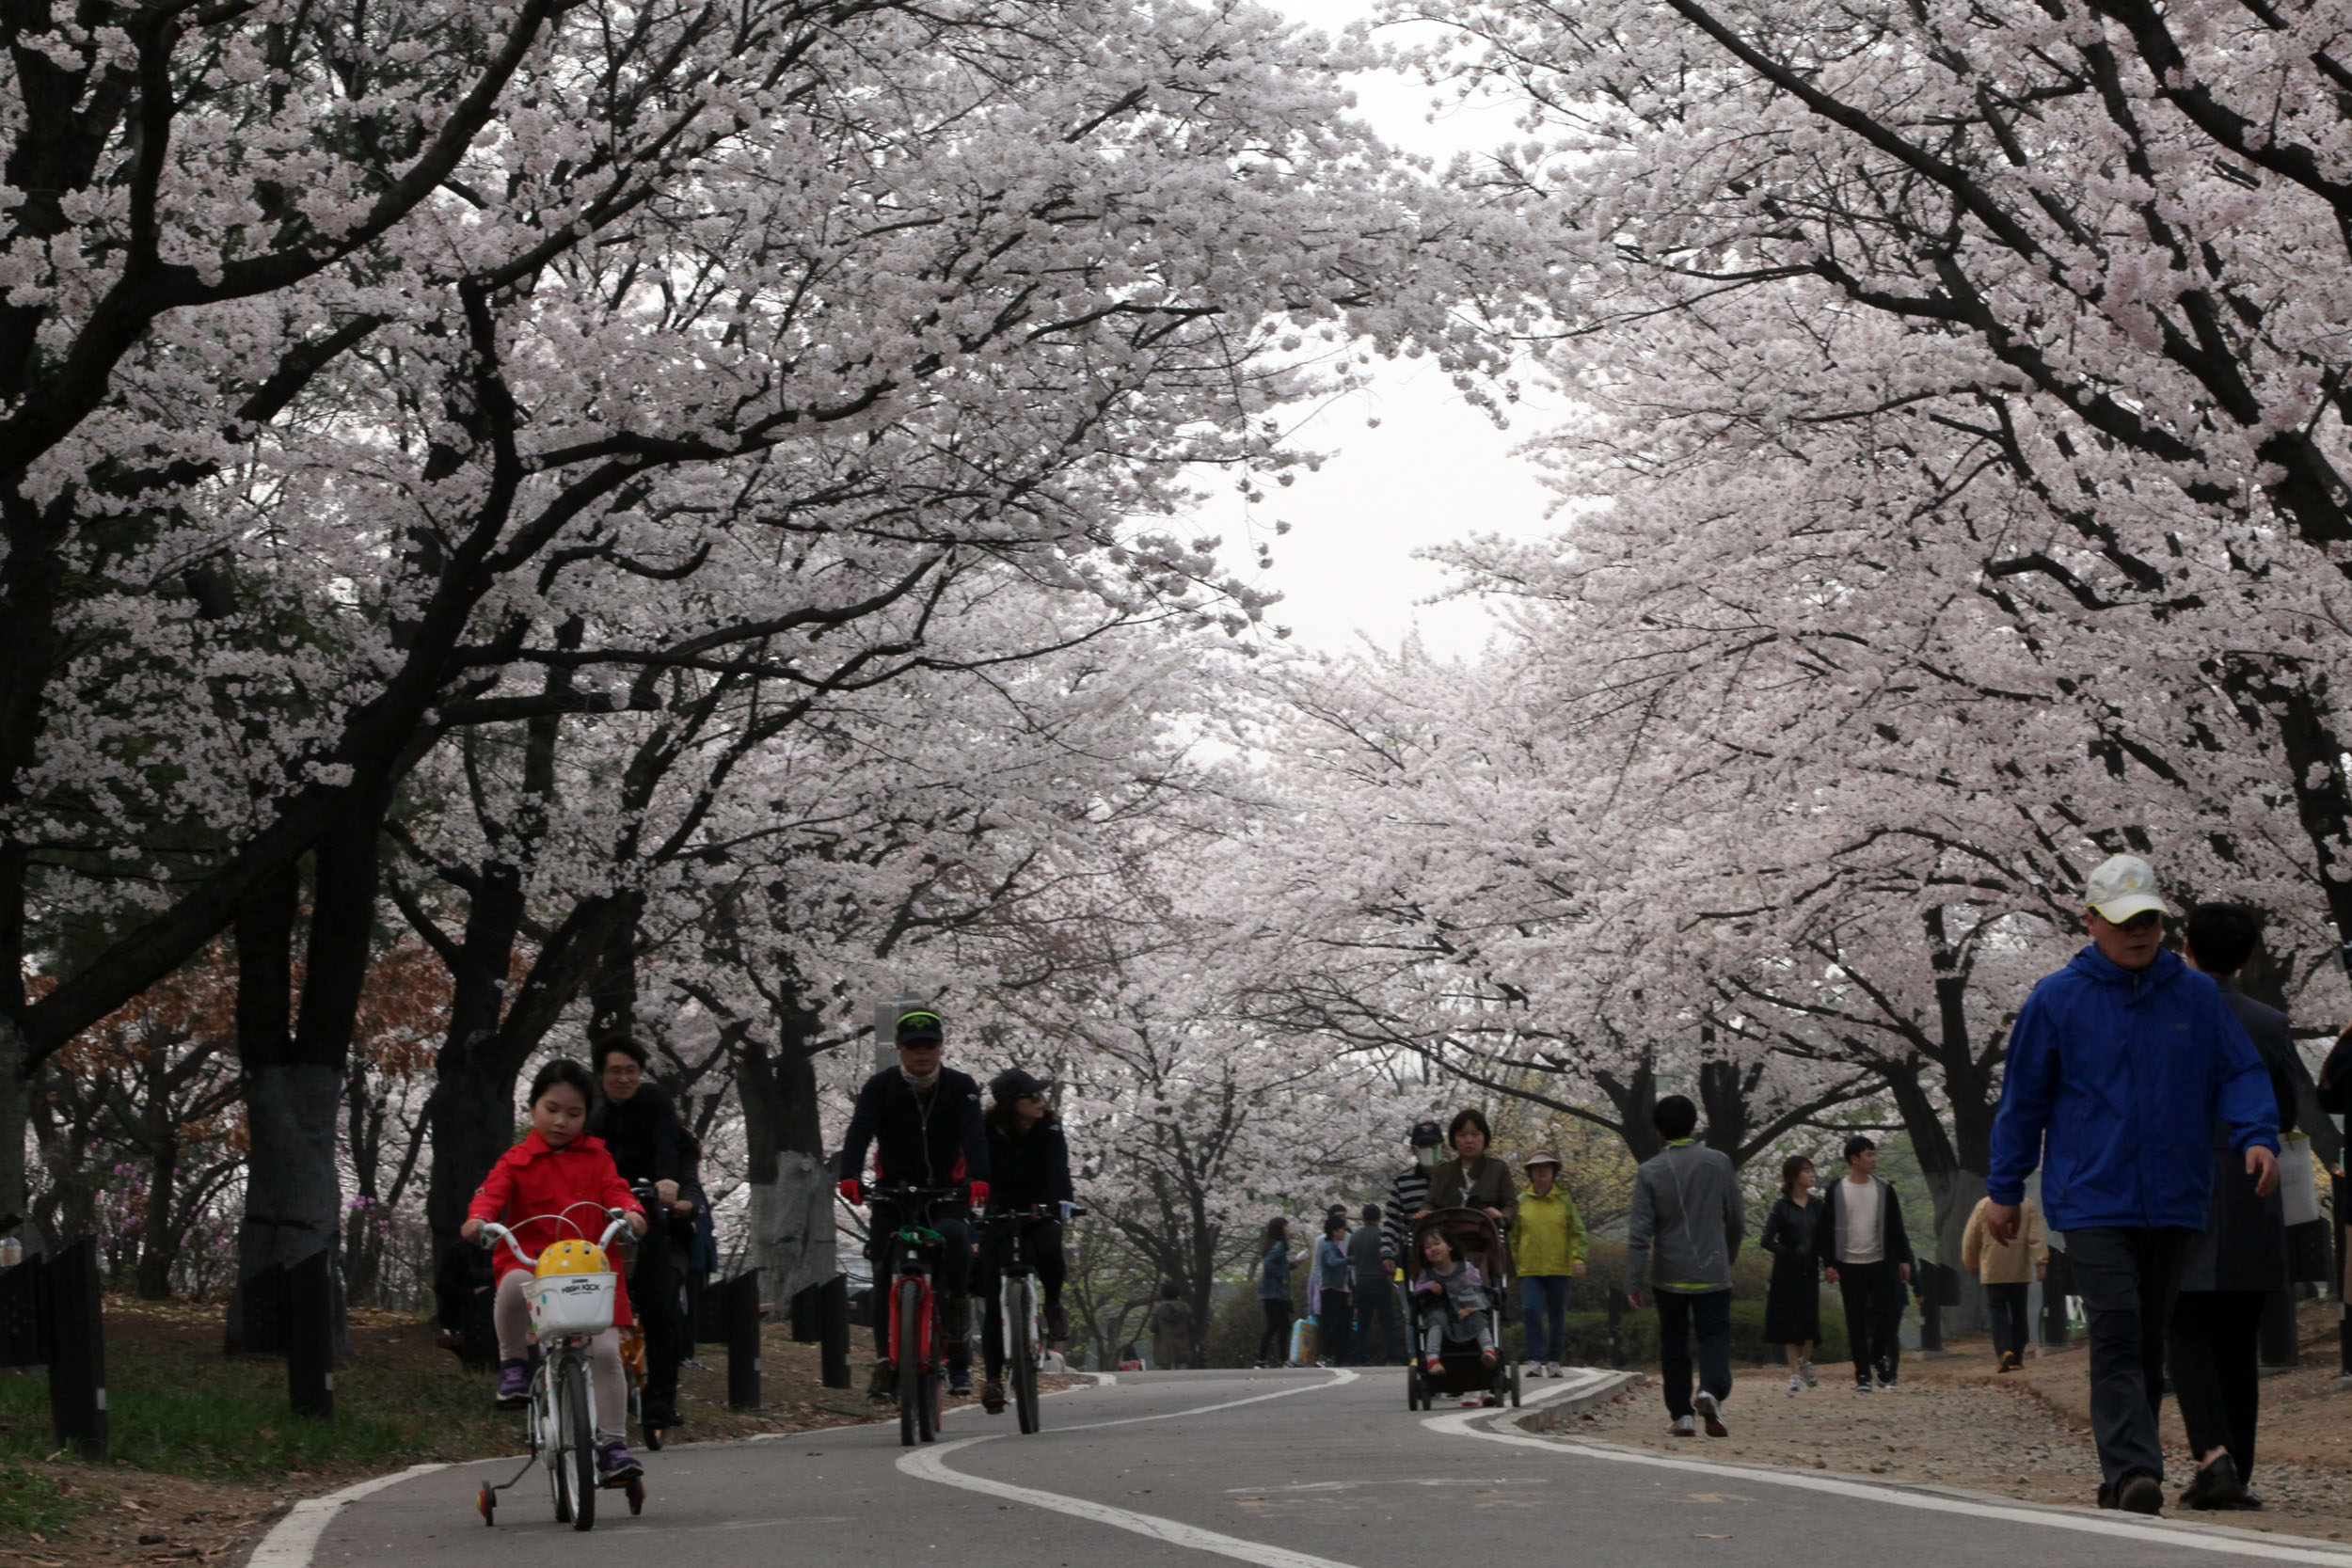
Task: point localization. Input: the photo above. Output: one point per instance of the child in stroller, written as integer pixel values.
(1455, 1308)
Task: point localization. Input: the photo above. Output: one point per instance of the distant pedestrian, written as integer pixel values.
(1547, 1252)
(2119, 1064)
(1866, 1252)
(1687, 1226)
(1408, 1194)
(2007, 1269)
(1473, 1179)
(1792, 1303)
(1378, 1338)
(1274, 1292)
(1170, 1325)
(2225, 1280)
(1332, 1290)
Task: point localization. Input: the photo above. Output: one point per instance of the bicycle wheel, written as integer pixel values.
(577, 1466)
(907, 1344)
(1022, 1355)
(546, 1439)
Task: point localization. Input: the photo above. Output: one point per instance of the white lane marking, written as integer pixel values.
(1408, 1480)
(930, 1464)
(293, 1539)
(2198, 1538)
(1341, 1376)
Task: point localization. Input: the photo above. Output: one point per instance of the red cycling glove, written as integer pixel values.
(979, 1194)
(852, 1192)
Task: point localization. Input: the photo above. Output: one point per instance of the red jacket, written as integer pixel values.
(534, 1184)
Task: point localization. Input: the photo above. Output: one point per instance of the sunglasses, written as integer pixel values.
(2146, 920)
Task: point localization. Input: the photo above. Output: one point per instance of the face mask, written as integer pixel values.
(1426, 1155)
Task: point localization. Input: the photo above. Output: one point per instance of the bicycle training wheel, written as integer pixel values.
(579, 1466)
(909, 1345)
(1023, 1355)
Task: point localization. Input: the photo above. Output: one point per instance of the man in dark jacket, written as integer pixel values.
(1378, 1333)
(922, 1121)
(639, 1128)
(2241, 1258)
(2119, 1066)
(1866, 1252)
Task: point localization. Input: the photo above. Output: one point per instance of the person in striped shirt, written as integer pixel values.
(1408, 1194)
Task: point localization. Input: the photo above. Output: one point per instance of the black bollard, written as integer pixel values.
(77, 1350)
(743, 1311)
(310, 1323)
(2054, 1292)
(833, 1323)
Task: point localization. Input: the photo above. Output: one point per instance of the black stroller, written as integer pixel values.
(1461, 1371)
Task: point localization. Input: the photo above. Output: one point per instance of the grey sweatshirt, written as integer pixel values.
(1688, 1222)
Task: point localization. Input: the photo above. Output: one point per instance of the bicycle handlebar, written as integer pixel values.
(492, 1233)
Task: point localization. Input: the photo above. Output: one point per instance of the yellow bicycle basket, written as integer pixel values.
(572, 1257)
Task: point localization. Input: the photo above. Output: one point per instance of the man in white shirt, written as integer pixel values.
(1862, 1241)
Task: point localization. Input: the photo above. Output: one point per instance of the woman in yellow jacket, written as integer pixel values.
(2006, 1269)
(1547, 1251)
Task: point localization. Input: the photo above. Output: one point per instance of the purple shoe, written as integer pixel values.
(514, 1384)
(614, 1466)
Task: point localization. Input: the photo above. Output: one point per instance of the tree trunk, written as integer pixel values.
(16, 1107)
(159, 1246)
(793, 1243)
(294, 1086)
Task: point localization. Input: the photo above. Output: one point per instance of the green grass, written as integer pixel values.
(34, 1504)
(183, 1411)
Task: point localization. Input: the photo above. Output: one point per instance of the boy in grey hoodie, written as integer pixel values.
(1687, 1223)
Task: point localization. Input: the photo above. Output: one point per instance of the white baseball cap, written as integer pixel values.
(2124, 886)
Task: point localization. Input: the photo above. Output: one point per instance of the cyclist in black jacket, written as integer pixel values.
(923, 1122)
(1029, 1162)
(640, 1127)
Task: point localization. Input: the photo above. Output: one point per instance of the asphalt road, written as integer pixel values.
(1299, 1469)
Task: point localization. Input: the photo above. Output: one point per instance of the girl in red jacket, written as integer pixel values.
(554, 1185)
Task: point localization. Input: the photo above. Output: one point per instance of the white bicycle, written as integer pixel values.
(1019, 1310)
(569, 1310)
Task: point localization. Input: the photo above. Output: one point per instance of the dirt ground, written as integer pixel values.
(1955, 1422)
(130, 1517)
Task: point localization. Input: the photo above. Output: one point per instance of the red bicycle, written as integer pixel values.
(918, 1350)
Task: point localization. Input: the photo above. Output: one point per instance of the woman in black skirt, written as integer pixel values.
(1793, 1308)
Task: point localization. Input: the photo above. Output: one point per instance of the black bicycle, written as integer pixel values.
(1019, 1311)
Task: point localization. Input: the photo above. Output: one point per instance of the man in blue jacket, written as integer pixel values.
(2118, 1066)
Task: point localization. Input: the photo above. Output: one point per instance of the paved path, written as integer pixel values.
(1201, 1469)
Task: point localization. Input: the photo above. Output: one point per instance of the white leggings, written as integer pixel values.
(512, 1314)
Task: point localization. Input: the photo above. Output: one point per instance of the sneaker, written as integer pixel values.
(1796, 1383)
(1432, 1366)
(2140, 1492)
(992, 1397)
(1685, 1426)
(960, 1382)
(1057, 1324)
(1710, 1410)
(514, 1384)
(1487, 1359)
(1862, 1386)
(1551, 1368)
(1886, 1382)
(2214, 1485)
(1812, 1378)
(2009, 1363)
(614, 1466)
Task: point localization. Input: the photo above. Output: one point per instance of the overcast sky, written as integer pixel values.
(1434, 469)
